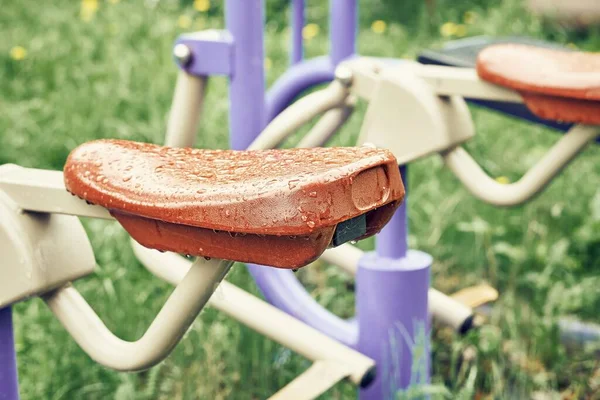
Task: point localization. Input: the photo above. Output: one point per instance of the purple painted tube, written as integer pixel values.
(297, 17)
(245, 21)
(342, 30)
(281, 288)
(9, 384)
(392, 241)
(391, 304)
(296, 80)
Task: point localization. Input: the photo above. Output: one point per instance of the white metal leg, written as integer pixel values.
(262, 317)
(173, 320)
(185, 110)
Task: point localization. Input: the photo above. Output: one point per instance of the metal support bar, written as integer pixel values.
(298, 114)
(263, 317)
(313, 382)
(444, 81)
(206, 53)
(329, 124)
(173, 320)
(44, 191)
(297, 24)
(448, 81)
(185, 110)
(9, 383)
(487, 189)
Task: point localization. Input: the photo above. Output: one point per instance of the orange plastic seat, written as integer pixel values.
(271, 207)
(555, 84)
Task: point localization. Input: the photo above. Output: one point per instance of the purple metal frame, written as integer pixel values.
(9, 384)
(393, 282)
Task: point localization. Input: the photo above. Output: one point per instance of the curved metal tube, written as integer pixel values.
(329, 124)
(282, 289)
(173, 320)
(294, 81)
(487, 189)
(261, 316)
(298, 114)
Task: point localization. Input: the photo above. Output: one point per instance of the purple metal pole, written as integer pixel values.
(343, 17)
(245, 21)
(9, 384)
(297, 17)
(392, 241)
(391, 304)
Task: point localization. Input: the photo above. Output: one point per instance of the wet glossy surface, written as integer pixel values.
(555, 84)
(202, 202)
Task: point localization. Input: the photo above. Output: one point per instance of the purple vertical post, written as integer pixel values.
(393, 328)
(297, 17)
(9, 384)
(392, 241)
(392, 287)
(245, 21)
(343, 18)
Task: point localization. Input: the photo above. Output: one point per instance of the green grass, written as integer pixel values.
(114, 77)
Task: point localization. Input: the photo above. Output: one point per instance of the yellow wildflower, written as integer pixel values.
(448, 29)
(184, 21)
(310, 31)
(114, 1)
(202, 5)
(18, 53)
(378, 26)
(470, 17)
(268, 63)
(461, 30)
(88, 10)
(503, 180)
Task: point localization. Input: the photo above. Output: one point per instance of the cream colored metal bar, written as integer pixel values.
(299, 113)
(262, 317)
(487, 189)
(329, 123)
(444, 308)
(44, 191)
(173, 320)
(449, 311)
(313, 382)
(344, 256)
(185, 110)
(448, 81)
(445, 81)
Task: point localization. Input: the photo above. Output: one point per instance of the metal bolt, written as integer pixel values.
(182, 54)
(344, 76)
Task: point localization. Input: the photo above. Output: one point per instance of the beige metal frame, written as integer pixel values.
(426, 101)
(39, 194)
(429, 98)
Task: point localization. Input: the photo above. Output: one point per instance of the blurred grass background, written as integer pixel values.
(72, 72)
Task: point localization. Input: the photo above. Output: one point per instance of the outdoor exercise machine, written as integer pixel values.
(416, 111)
(393, 293)
(277, 207)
